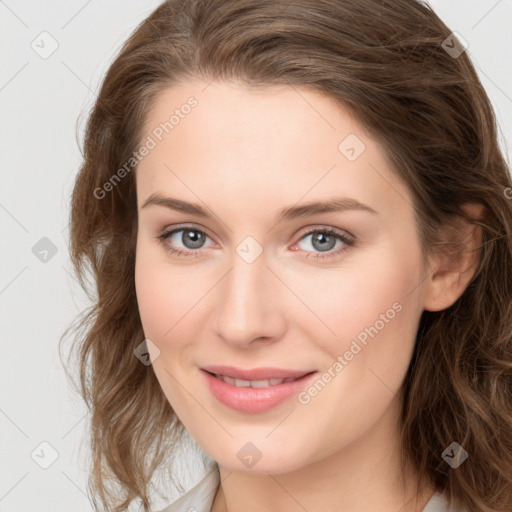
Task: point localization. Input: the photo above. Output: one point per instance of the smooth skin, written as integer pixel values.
(244, 154)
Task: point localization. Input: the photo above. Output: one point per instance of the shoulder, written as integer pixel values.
(439, 503)
(200, 497)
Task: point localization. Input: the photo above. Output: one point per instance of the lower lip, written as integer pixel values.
(254, 400)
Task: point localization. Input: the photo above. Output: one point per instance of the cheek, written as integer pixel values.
(169, 298)
(157, 299)
(376, 317)
(349, 302)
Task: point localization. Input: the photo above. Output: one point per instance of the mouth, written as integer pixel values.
(255, 395)
(260, 383)
(261, 374)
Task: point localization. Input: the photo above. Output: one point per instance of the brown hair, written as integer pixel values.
(384, 60)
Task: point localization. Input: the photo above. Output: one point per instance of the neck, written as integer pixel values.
(365, 475)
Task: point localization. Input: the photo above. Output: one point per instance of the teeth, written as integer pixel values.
(241, 383)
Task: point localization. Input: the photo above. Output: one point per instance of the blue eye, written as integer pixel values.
(324, 241)
(195, 235)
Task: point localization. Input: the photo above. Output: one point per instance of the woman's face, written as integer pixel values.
(253, 288)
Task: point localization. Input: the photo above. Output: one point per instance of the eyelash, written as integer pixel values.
(197, 253)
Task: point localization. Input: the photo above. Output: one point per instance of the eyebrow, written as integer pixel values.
(337, 204)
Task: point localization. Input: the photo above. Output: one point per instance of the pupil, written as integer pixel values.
(195, 237)
(324, 243)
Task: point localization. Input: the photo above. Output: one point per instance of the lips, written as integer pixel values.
(262, 383)
(256, 374)
(254, 396)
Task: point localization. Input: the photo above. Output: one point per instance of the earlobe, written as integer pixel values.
(450, 274)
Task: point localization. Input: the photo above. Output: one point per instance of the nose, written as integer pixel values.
(250, 304)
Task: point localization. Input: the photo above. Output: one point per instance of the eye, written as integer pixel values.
(191, 237)
(323, 240)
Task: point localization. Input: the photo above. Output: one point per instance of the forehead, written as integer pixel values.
(281, 142)
(235, 112)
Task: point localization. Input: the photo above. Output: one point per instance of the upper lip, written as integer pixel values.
(256, 373)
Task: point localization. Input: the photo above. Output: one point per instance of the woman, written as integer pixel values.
(297, 216)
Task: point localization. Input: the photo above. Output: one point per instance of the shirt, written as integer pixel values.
(200, 497)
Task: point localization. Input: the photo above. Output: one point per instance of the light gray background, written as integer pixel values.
(40, 102)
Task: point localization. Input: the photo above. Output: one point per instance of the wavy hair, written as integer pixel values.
(385, 61)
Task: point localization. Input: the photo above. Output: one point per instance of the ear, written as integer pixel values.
(451, 274)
